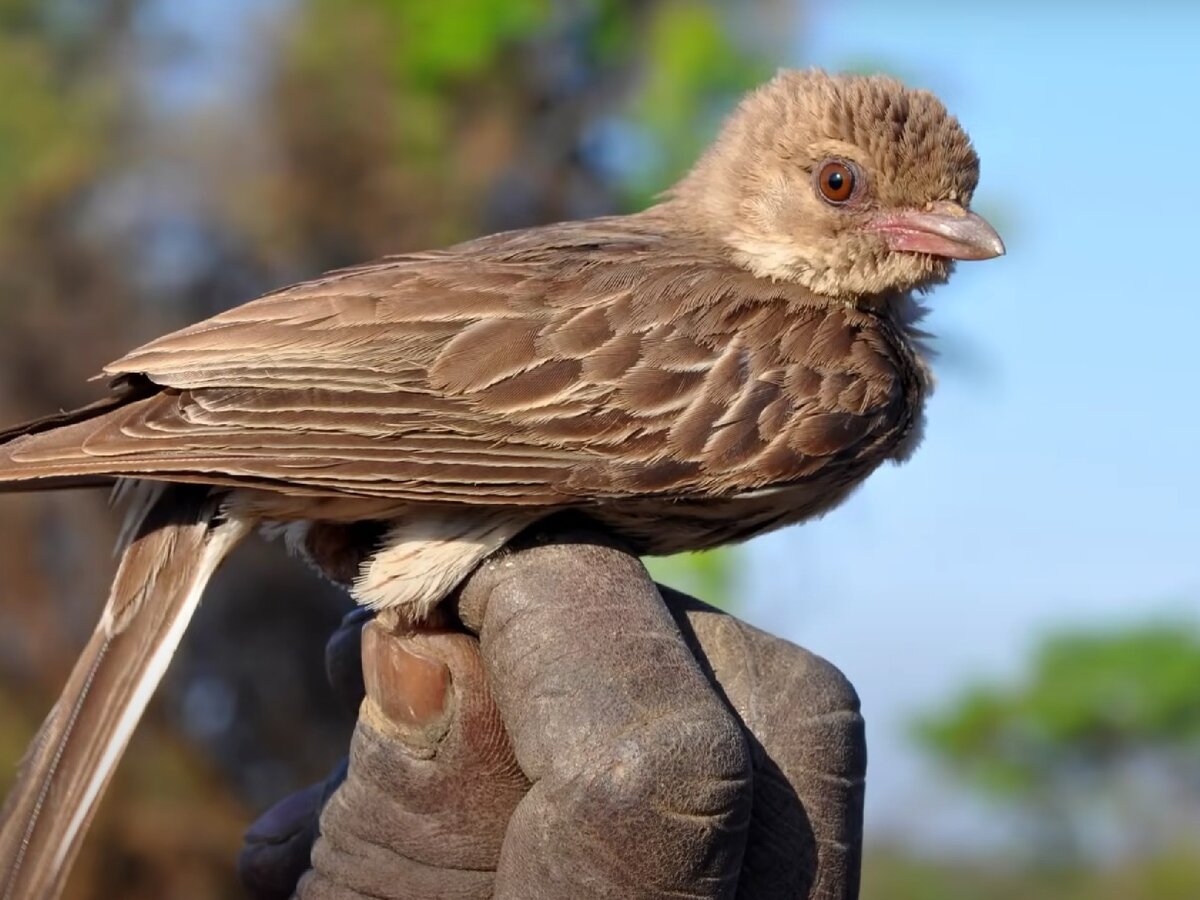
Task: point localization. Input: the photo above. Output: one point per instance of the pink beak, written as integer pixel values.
(945, 229)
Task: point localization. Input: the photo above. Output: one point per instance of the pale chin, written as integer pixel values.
(921, 272)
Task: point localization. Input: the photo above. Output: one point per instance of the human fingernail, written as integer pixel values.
(409, 687)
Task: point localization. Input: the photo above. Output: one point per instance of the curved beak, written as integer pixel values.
(944, 229)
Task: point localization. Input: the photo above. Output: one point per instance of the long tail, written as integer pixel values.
(178, 540)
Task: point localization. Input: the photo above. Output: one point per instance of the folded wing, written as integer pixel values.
(585, 364)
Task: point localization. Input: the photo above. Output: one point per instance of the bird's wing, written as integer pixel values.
(574, 364)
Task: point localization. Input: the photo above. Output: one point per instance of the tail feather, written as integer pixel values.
(178, 543)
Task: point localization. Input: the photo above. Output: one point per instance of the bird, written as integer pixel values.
(737, 357)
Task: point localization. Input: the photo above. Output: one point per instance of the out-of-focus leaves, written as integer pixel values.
(42, 130)
(1098, 720)
(438, 41)
(1088, 699)
(694, 72)
(711, 575)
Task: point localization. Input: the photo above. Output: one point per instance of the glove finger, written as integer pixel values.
(432, 777)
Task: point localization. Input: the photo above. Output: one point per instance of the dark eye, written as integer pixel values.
(836, 181)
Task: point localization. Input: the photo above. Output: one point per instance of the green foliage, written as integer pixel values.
(710, 576)
(1104, 727)
(437, 41)
(1089, 700)
(694, 71)
(48, 121)
(689, 69)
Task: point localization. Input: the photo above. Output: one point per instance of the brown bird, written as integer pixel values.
(736, 358)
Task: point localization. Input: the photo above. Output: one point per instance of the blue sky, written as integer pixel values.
(1057, 484)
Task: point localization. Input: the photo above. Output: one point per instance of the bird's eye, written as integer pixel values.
(836, 182)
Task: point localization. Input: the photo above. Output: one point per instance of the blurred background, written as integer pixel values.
(1019, 606)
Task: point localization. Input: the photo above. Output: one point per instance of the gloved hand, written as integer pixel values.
(600, 737)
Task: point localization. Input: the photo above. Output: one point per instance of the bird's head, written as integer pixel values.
(848, 185)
